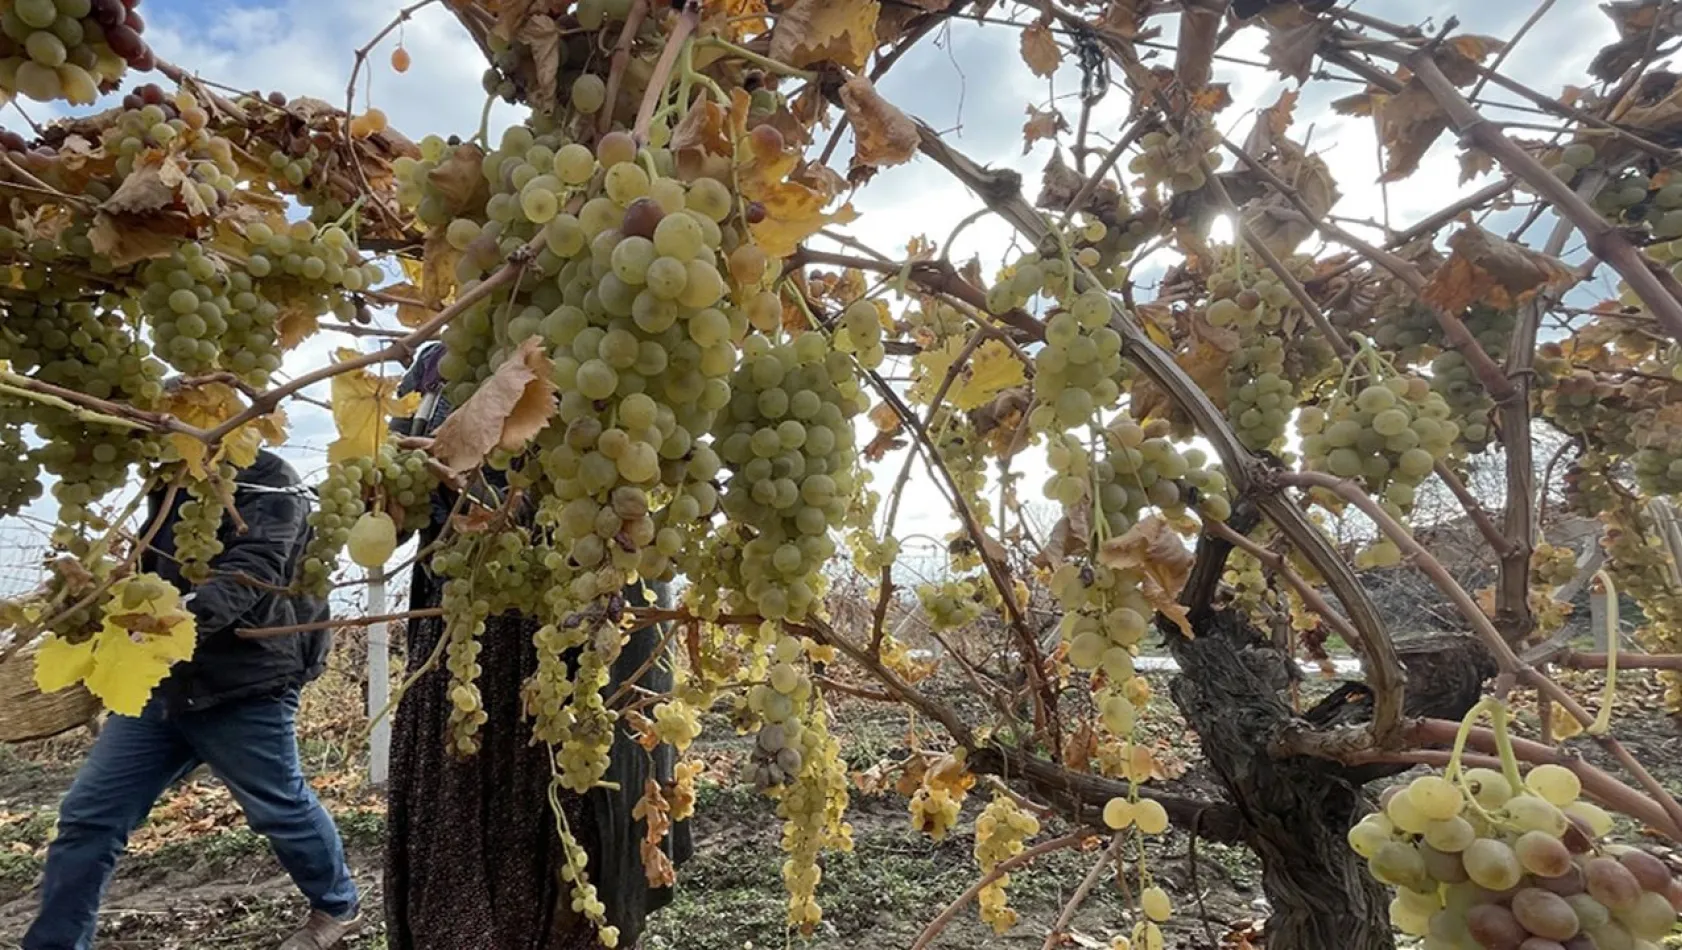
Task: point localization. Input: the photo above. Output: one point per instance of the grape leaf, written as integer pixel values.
(459, 180)
(1040, 50)
(1041, 124)
(207, 405)
(542, 36)
(882, 135)
(1293, 39)
(411, 310)
(503, 413)
(809, 32)
(1487, 269)
(1155, 550)
(362, 403)
(143, 632)
(60, 664)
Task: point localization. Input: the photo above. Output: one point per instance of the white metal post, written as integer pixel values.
(379, 682)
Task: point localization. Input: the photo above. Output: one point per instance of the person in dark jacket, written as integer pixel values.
(232, 707)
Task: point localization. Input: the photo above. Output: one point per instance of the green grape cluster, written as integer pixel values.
(1633, 198)
(1495, 861)
(464, 623)
(860, 334)
(933, 320)
(812, 805)
(20, 469)
(788, 438)
(777, 756)
(1079, 371)
(1261, 392)
(188, 301)
(1389, 434)
(953, 603)
(1032, 275)
(294, 166)
(198, 528)
(69, 49)
(339, 503)
(965, 455)
(1177, 159)
(406, 482)
(1573, 159)
(1452, 378)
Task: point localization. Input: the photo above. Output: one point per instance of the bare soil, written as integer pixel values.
(196, 878)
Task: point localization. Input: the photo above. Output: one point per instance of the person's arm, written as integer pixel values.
(253, 563)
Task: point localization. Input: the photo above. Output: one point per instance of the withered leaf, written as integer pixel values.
(1291, 47)
(460, 181)
(1487, 269)
(701, 142)
(1068, 537)
(1475, 162)
(1155, 550)
(1059, 184)
(882, 135)
(125, 243)
(543, 36)
(504, 413)
(825, 31)
(1041, 124)
(1040, 50)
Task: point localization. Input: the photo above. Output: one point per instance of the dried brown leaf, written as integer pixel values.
(1041, 124)
(459, 180)
(809, 32)
(1155, 550)
(1291, 47)
(412, 310)
(701, 142)
(1068, 537)
(1040, 50)
(504, 413)
(1487, 269)
(543, 36)
(125, 245)
(882, 134)
(1059, 184)
(1475, 162)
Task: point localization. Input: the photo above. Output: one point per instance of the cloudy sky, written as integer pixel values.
(967, 79)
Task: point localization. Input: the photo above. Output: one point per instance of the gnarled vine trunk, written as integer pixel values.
(1295, 810)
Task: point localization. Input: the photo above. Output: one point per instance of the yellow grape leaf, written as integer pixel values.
(438, 269)
(296, 322)
(826, 31)
(60, 664)
(1152, 548)
(738, 19)
(794, 213)
(207, 405)
(1040, 50)
(992, 369)
(503, 413)
(362, 404)
(882, 134)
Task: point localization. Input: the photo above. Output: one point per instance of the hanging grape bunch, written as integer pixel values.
(1490, 860)
(70, 49)
(1252, 301)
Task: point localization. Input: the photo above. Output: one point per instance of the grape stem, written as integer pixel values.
(94, 410)
(763, 62)
(676, 41)
(361, 58)
(621, 60)
(261, 633)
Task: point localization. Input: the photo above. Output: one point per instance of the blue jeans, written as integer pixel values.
(251, 746)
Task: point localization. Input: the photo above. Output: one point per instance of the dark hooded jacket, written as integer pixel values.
(245, 590)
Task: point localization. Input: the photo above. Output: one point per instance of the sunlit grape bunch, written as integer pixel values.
(1452, 378)
(70, 49)
(860, 333)
(1176, 158)
(1489, 860)
(1079, 371)
(1000, 833)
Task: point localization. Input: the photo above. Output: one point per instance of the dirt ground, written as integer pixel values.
(196, 878)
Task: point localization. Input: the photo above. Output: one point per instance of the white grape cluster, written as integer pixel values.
(20, 469)
(1079, 371)
(788, 438)
(1000, 833)
(151, 120)
(1176, 158)
(339, 503)
(859, 333)
(1452, 377)
(198, 527)
(812, 805)
(1389, 434)
(1487, 863)
(777, 757)
(952, 603)
(69, 49)
(1254, 302)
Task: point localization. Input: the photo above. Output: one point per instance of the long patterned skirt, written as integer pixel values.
(473, 857)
